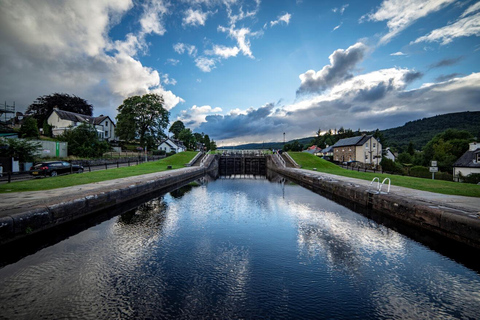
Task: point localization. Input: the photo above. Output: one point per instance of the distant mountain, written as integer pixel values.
(419, 132)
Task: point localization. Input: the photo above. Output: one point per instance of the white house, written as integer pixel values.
(468, 163)
(387, 153)
(64, 120)
(169, 145)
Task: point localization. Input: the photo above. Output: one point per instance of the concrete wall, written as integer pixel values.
(425, 215)
(53, 149)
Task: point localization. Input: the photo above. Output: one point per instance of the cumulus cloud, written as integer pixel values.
(223, 52)
(401, 14)
(173, 62)
(446, 77)
(399, 53)
(195, 116)
(241, 35)
(284, 19)
(342, 63)
(377, 99)
(465, 27)
(194, 18)
(59, 40)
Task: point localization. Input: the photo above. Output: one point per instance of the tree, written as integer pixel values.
(176, 128)
(140, 117)
(41, 108)
(29, 128)
(83, 141)
(188, 138)
(47, 129)
(24, 150)
(446, 148)
(411, 148)
(207, 142)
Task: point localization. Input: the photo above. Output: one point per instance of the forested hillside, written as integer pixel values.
(421, 131)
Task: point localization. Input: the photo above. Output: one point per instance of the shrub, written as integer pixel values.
(471, 178)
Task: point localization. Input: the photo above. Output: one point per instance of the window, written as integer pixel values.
(106, 123)
(343, 149)
(106, 134)
(349, 149)
(374, 145)
(366, 157)
(366, 145)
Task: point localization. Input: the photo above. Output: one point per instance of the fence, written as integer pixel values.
(88, 165)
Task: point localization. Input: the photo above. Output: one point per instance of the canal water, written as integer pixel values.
(238, 249)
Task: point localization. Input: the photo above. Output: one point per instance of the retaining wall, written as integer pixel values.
(447, 222)
(21, 222)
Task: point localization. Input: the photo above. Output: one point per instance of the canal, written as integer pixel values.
(238, 248)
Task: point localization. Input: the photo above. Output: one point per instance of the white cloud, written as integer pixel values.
(473, 8)
(152, 18)
(205, 64)
(400, 14)
(465, 27)
(242, 14)
(181, 48)
(284, 18)
(399, 53)
(341, 10)
(173, 62)
(194, 18)
(167, 80)
(223, 52)
(46, 43)
(195, 116)
(241, 36)
(337, 27)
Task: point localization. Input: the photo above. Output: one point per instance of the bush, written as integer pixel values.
(471, 178)
(171, 153)
(159, 152)
(420, 172)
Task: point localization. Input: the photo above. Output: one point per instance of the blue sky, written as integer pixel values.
(249, 70)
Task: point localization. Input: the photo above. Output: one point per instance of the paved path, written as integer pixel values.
(470, 205)
(16, 201)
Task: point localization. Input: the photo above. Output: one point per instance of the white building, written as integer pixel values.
(65, 120)
(169, 145)
(468, 163)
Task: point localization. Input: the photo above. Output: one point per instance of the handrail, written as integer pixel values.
(204, 159)
(279, 157)
(378, 183)
(295, 164)
(380, 189)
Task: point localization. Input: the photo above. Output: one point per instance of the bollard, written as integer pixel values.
(9, 176)
(117, 165)
(106, 166)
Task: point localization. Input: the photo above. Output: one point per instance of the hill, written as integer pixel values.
(419, 132)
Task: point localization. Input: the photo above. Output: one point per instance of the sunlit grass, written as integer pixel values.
(309, 162)
(176, 161)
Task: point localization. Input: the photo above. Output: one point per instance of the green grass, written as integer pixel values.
(176, 161)
(309, 161)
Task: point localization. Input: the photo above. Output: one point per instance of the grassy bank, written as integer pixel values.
(309, 161)
(176, 161)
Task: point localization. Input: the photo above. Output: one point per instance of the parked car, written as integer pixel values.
(54, 168)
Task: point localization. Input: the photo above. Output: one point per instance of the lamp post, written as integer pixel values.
(284, 139)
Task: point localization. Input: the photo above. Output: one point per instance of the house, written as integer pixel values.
(313, 150)
(64, 120)
(468, 163)
(387, 153)
(169, 145)
(326, 153)
(365, 149)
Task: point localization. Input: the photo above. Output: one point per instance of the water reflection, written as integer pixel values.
(238, 248)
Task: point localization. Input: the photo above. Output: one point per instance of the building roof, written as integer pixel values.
(353, 141)
(466, 160)
(327, 149)
(76, 117)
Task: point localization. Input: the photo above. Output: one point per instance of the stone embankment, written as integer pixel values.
(25, 213)
(453, 217)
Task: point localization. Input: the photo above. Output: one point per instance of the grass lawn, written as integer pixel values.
(309, 161)
(176, 161)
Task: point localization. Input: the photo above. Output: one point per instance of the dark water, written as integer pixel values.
(236, 249)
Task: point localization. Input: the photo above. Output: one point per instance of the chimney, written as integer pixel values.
(474, 146)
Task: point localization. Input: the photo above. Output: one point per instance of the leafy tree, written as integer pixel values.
(411, 148)
(405, 158)
(83, 141)
(141, 117)
(187, 137)
(43, 106)
(207, 142)
(176, 128)
(24, 150)
(446, 148)
(47, 129)
(29, 128)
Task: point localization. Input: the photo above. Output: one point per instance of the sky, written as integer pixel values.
(249, 70)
